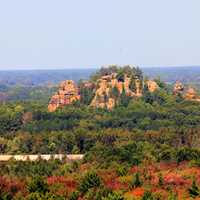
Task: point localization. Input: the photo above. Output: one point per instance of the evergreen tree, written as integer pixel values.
(194, 189)
(90, 180)
(38, 184)
(124, 99)
(136, 182)
(147, 196)
(160, 180)
(113, 196)
(173, 196)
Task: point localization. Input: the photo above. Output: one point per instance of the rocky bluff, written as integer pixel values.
(67, 93)
(110, 86)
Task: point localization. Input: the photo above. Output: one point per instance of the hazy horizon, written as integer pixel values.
(94, 67)
(88, 34)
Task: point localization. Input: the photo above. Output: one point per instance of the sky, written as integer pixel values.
(47, 34)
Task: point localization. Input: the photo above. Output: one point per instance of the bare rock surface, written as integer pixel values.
(67, 94)
(107, 86)
(152, 85)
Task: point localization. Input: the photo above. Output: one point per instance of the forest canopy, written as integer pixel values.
(126, 149)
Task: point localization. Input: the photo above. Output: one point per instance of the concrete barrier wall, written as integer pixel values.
(70, 157)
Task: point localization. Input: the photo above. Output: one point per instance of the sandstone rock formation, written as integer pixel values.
(178, 88)
(152, 85)
(109, 84)
(191, 94)
(188, 94)
(107, 88)
(138, 90)
(67, 94)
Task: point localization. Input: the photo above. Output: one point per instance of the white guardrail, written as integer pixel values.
(69, 157)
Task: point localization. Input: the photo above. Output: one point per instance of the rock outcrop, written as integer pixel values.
(178, 88)
(107, 90)
(67, 94)
(152, 85)
(109, 87)
(191, 94)
(188, 94)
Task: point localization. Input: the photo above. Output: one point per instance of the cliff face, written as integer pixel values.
(109, 88)
(107, 91)
(67, 94)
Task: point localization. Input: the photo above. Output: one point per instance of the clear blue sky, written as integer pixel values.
(91, 33)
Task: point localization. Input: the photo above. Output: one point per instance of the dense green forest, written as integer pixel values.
(145, 148)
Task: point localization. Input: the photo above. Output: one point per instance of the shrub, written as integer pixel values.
(194, 190)
(186, 154)
(113, 196)
(90, 180)
(74, 195)
(136, 182)
(40, 196)
(173, 196)
(38, 184)
(147, 196)
(160, 180)
(121, 171)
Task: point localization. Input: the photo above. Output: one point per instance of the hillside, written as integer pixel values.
(146, 146)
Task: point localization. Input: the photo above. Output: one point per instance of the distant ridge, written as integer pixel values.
(186, 74)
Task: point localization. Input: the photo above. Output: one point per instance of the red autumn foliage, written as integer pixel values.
(107, 174)
(137, 192)
(182, 165)
(167, 165)
(114, 184)
(134, 169)
(174, 179)
(151, 168)
(180, 192)
(193, 171)
(11, 186)
(154, 179)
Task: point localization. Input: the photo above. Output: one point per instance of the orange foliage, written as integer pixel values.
(11, 186)
(137, 192)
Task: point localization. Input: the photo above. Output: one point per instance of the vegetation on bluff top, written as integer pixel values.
(120, 71)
